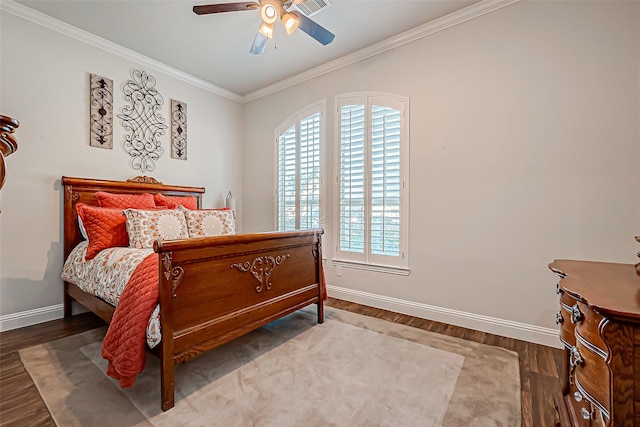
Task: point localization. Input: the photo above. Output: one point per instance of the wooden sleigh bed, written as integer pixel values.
(211, 289)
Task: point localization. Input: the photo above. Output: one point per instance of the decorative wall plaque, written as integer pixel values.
(178, 130)
(142, 119)
(101, 112)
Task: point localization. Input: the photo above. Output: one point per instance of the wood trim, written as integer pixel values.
(134, 185)
(563, 412)
(94, 304)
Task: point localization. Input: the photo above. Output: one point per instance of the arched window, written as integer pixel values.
(298, 181)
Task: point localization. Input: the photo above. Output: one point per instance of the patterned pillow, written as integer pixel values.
(145, 227)
(210, 222)
(105, 228)
(172, 202)
(125, 201)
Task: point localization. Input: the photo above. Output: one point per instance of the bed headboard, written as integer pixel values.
(84, 189)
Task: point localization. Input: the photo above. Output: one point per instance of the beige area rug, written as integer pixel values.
(353, 370)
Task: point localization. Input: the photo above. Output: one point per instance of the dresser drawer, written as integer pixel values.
(588, 330)
(567, 299)
(577, 406)
(592, 378)
(579, 412)
(567, 327)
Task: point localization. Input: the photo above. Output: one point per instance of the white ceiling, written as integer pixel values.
(215, 48)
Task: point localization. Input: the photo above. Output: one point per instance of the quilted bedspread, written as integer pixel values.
(124, 345)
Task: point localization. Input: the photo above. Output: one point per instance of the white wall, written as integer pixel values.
(524, 148)
(45, 81)
(525, 140)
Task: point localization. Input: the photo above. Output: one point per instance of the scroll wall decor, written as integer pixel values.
(142, 120)
(101, 112)
(178, 130)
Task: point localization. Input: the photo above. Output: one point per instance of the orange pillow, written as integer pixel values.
(106, 228)
(125, 201)
(172, 202)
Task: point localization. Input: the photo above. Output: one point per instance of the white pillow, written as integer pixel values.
(209, 222)
(145, 227)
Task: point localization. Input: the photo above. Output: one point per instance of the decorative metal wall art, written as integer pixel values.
(101, 112)
(142, 119)
(178, 130)
(261, 268)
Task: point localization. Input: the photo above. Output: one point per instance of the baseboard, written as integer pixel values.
(492, 325)
(30, 317)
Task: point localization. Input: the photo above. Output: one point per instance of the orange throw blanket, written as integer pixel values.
(124, 344)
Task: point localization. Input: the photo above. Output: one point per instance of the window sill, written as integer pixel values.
(401, 271)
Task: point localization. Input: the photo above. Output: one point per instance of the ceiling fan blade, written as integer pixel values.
(259, 43)
(225, 7)
(314, 29)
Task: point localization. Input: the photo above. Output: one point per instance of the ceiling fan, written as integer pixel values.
(270, 10)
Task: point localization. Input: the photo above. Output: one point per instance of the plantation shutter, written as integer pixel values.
(298, 184)
(372, 137)
(352, 178)
(310, 172)
(385, 181)
(287, 183)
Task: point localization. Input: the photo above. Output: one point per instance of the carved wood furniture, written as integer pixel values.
(599, 322)
(212, 289)
(638, 264)
(8, 143)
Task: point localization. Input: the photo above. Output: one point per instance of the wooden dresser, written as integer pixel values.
(599, 320)
(8, 143)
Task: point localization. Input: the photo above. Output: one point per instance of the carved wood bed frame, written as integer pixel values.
(212, 289)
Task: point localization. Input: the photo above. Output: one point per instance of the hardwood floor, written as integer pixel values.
(21, 405)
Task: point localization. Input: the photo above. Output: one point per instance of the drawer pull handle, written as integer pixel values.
(577, 396)
(576, 314)
(558, 273)
(575, 358)
(559, 318)
(585, 413)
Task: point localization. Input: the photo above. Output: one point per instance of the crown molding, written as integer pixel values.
(470, 12)
(475, 10)
(47, 21)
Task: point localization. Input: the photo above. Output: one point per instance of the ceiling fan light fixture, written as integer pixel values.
(290, 22)
(268, 13)
(288, 11)
(266, 29)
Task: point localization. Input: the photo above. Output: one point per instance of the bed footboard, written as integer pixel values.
(215, 289)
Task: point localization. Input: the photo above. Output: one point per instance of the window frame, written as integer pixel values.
(294, 120)
(368, 261)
